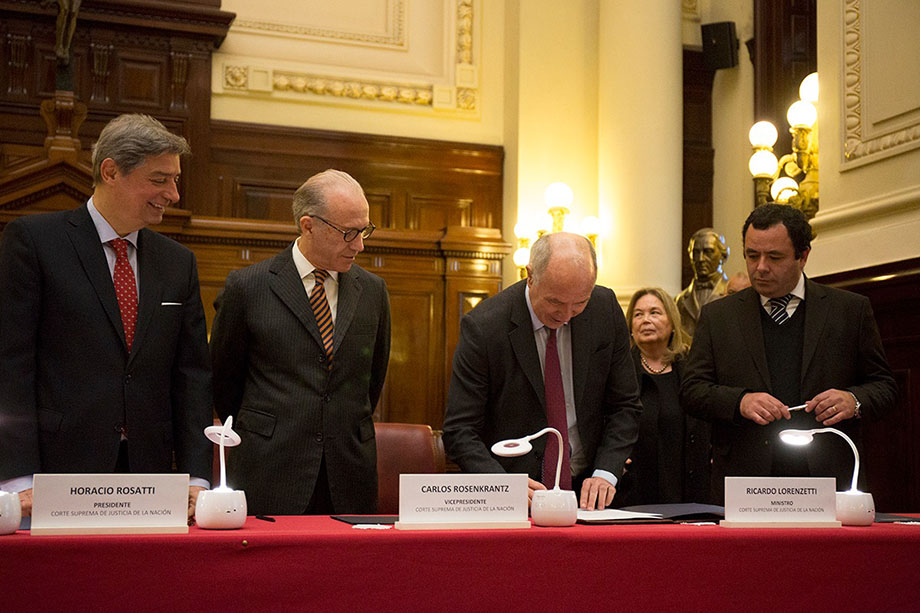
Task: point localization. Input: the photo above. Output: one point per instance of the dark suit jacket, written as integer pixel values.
(496, 389)
(69, 381)
(841, 350)
(290, 410)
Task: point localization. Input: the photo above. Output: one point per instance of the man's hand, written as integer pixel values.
(193, 492)
(596, 492)
(25, 501)
(832, 406)
(532, 486)
(762, 408)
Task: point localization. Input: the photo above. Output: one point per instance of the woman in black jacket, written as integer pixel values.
(670, 461)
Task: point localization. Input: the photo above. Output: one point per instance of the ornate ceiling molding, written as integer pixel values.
(394, 37)
(860, 147)
(460, 93)
(690, 10)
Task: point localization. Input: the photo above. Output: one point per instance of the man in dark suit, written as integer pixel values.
(498, 388)
(300, 346)
(783, 342)
(103, 341)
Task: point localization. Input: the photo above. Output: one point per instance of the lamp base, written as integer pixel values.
(855, 508)
(221, 509)
(554, 507)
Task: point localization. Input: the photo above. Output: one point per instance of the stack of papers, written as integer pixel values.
(619, 516)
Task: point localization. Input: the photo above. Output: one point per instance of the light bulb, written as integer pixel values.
(558, 194)
(808, 90)
(523, 228)
(783, 189)
(762, 134)
(521, 257)
(802, 114)
(590, 226)
(762, 163)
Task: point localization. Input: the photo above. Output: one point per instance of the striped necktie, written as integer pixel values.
(778, 309)
(321, 311)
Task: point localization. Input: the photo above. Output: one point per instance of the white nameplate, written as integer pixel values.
(462, 501)
(780, 502)
(109, 504)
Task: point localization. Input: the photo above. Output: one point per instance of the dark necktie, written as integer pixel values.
(125, 289)
(778, 309)
(555, 417)
(320, 307)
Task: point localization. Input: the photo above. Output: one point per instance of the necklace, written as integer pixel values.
(654, 371)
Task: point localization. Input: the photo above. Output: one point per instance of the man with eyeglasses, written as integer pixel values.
(299, 346)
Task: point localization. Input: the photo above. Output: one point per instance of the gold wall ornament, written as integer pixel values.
(235, 77)
(322, 85)
(558, 198)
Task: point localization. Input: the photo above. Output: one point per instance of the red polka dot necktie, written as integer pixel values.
(125, 289)
(556, 418)
(321, 311)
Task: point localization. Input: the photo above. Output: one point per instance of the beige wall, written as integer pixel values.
(870, 204)
(544, 79)
(284, 62)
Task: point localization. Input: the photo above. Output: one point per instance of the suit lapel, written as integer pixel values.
(86, 243)
(150, 282)
(581, 348)
(350, 290)
(288, 286)
(524, 345)
(751, 330)
(816, 309)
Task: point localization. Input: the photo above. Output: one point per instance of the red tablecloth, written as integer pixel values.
(316, 563)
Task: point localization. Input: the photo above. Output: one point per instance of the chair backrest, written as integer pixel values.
(404, 448)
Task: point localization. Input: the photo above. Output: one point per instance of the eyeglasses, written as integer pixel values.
(352, 233)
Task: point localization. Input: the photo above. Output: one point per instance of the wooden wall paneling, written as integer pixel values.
(698, 153)
(127, 56)
(437, 212)
(890, 453)
(412, 184)
(414, 391)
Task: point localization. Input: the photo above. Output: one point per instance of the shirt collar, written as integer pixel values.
(104, 229)
(304, 267)
(797, 292)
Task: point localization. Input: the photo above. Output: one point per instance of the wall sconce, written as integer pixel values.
(793, 179)
(558, 197)
(521, 255)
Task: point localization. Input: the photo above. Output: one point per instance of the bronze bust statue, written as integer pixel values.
(707, 250)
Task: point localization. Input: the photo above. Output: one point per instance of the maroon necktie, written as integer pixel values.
(125, 289)
(555, 418)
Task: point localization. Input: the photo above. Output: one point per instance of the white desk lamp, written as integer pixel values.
(854, 508)
(553, 507)
(221, 508)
